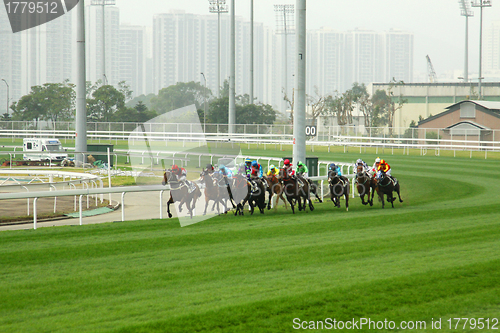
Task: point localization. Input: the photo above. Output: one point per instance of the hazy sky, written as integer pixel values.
(438, 28)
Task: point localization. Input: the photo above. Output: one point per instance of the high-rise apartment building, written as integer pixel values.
(93, 43)
(491, 57)
(10, 64)
(398, 56)
(133, 58)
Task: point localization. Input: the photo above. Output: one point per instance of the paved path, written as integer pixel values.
(144, 205)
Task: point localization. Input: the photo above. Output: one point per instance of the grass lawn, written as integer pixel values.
(435, 256)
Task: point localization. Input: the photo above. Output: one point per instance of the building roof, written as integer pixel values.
(491, 108)
(494, 106)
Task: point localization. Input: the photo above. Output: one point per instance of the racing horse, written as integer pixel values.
(254, 199)
(274, 186)
(179, 191)
(387, 186)
(339, 186)
(239, 192)
(213, 192)
(294, 192)
(365, 184)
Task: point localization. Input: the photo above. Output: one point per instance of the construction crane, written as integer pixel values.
(430, 71)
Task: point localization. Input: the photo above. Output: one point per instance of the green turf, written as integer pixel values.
(434, 256)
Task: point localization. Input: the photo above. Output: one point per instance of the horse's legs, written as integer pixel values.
(290, 200)
(346, 195)
(270, 198)
(206, 205)
(397, 191)
(171, 200)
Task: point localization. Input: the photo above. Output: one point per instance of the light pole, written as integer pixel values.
(204, 104)
(481, 4)
(284, 23)
(218, 6)
(7, 109)
(467, 12)
(251, 51)
(103, 3)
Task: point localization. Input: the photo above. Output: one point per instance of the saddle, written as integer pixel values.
(190, 186)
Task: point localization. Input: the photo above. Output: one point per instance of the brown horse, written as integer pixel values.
(239, 189)
(179, 190)
(386, 185)
(274, 186)
(294, 192)
(365, 184)
(213, 192)
(339, 186)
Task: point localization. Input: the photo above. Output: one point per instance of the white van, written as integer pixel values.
(43, 150)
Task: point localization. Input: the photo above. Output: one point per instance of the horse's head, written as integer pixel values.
(359, 171)
(332, 174)
(169, 176)
(283, 175)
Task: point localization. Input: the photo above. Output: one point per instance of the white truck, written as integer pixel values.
(43, 150)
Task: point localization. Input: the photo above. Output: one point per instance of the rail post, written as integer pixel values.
(34, 213)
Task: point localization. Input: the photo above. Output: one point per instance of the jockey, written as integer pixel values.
(257, 168)
(302, 170)
(248, 168)
(335, 168)
(374, 168)
(273, 171)
(287, 167)
(225, 171)
(181, 174)
(385, 168)
(210, 169)
(362, 163)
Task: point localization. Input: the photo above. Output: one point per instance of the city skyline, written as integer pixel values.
(268, 56)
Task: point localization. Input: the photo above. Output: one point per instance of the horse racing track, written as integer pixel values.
(429, 260)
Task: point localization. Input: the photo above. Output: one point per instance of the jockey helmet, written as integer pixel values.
(377, 160)
(300, 163)
(248, 160)
(332, 166)
(209, 166)
(287, 162)
(255, 164)
(272, 167)
(359, 161)
(175, 167)
(382, 161)
(222, 167)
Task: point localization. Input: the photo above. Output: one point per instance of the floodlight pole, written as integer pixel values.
(218, 6)
(299, 119)
(481, 4)
(251, 51)
(81, 112)
(7, 109)
(232, 67)
(204, 104)
(466, 11)
(103, 3)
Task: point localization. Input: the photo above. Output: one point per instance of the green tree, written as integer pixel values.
(245, 114)
(105, 101)
(51, 101)
(180, 95)
(145, 99)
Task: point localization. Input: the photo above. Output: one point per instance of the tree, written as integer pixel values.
(245, 114)
(124, 88)
(291, 103)
(59, 101)
(180, 95)
(105, 101)
(340, 106)
(316, 103)
(51, 101)
(145, 99)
